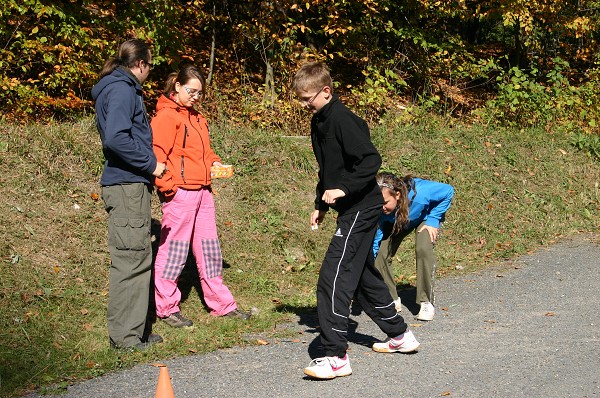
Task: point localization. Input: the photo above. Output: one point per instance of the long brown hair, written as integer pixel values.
(130, 52)
(403, 186)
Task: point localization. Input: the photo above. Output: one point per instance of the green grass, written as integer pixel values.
(515, 191)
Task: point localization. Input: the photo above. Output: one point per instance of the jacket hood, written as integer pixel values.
(165, 102)
(121, 74)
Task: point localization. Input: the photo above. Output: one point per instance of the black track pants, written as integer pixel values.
(348, 268)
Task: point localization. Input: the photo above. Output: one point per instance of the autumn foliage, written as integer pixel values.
(450, 56)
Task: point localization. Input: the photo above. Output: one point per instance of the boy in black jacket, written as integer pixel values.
(348, 163)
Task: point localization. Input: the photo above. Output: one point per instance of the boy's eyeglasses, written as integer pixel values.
(193, 93)
(311, 99)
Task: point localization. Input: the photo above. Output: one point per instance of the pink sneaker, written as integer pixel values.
(328, 367)
(404, 343)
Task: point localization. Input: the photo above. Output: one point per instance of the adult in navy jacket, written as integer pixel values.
(127, 180)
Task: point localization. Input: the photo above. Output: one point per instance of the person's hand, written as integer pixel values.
(432, 231)
(331, 195)
(316, 218)
(215, 163)
(160, 170)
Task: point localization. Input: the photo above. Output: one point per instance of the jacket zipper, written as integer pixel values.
(185, 134)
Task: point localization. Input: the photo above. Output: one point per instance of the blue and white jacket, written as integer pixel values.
(429, 204)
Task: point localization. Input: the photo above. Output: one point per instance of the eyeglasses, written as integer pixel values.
(311, 99)
(149, 64)
(192, 92)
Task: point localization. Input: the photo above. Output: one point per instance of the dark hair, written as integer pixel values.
(312, 76)
(398, 185)
(130, 52)
(184, 75)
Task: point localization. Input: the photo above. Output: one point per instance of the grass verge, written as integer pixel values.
(515, 191)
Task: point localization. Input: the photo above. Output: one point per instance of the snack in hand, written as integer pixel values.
(224, 171)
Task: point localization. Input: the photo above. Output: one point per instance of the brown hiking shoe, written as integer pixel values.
(177, 320)
(238, 314)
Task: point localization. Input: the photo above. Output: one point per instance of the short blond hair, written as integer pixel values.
(312, 76)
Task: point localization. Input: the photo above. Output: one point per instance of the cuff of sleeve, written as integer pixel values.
(433, 223)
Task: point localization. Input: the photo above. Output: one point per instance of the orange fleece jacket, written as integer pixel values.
(180, 139)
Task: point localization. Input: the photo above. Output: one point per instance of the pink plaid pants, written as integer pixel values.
(189, 220)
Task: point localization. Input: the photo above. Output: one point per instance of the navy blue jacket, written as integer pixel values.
(347, 158)
(124, 129)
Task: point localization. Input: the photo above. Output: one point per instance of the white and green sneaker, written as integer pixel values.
(427, 311)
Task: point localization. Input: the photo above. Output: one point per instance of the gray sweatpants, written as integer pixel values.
(425, 261)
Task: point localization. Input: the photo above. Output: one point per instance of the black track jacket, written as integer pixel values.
(347, 158)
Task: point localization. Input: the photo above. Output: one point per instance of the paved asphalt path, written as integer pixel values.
(524, 328)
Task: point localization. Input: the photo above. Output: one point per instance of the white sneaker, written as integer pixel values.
(328, 367)
(398, 304)
(404, 343)
(427, 311)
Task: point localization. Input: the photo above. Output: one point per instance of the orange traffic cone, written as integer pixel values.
(164, 389)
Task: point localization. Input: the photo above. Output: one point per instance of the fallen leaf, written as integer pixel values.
(415, 325)
(262, 342)
(444, 308)
(490, 321)
(84, 311)
(94, 196)
(88, 327)
(549, 313)
(445, 394)
(193, 351)
(499, 276)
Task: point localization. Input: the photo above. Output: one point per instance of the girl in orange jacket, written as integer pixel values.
(181, 140)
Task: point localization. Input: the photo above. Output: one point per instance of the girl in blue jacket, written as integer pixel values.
(411, 204)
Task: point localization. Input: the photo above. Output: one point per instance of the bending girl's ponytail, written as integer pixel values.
(402, 186)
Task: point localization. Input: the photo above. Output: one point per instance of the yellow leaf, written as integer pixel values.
(262, 342)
